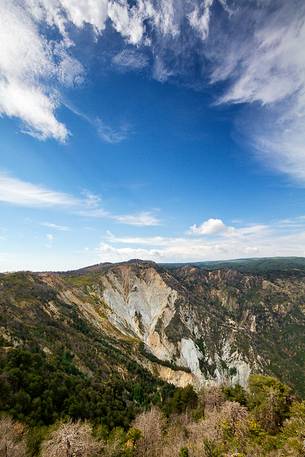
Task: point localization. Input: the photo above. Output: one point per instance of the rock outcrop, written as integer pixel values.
(185, 324)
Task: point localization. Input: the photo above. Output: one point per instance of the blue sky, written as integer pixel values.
(157, 129)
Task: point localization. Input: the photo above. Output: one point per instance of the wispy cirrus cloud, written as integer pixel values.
(110, 134)
(144, 218)
(253, 51)
(129, 60)
(107, 133)
(263, 66)
(36, 64)
(22, 193)
(51, 225)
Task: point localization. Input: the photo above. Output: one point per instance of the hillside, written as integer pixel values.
(263, 265)
(183, 325)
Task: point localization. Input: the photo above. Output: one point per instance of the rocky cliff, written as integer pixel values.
(185, 324)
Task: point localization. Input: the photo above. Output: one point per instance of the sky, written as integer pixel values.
(168, 130)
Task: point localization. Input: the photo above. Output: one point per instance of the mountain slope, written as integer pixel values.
(184, 324)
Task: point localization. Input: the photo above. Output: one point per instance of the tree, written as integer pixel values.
(270, 401)
(213, 397)
(236, 393)
(184, 398)
(12, 443)
(71, 439)
(151, 424)
(294, 430)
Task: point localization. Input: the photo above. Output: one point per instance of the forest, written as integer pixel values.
(50, 409)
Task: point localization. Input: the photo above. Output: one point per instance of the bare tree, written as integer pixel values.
(175, 439)
(230, 419)
(213, 397)
(71, 439)
(12, 443)
(151, 424)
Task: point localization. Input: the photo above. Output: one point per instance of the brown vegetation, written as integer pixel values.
(71, 440)
(12, 443)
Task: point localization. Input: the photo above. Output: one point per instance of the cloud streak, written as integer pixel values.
(16, 192)
(22, 193)
(264, 67)
(61, 228)
(110, 134)
(145, 218)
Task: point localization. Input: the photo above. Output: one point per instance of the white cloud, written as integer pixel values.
(256, 49)
(110, 134)
(265, 65)
(135, 21)
(209, 227)
(270, 65)
(108, 253)
(24, 61)
(32, 66)
(144, 218)
(236, 242)
(61, 228)
(201, 22)
(22, 193)
(129, 59)
(127, 21)
(107, 133)
(81, 12)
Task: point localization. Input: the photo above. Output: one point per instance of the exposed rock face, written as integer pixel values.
(138, 299)
(203, 321)
(185, 324)
(142, 304)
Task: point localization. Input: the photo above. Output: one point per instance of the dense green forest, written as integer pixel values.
(39, 390)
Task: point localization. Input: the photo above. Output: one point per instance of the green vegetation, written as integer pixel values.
(66, 370)
(290, 265)
(269, 423)
(40, 390)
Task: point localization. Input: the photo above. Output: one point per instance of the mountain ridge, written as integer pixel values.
(184, 324)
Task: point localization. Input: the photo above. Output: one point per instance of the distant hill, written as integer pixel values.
(262, 265)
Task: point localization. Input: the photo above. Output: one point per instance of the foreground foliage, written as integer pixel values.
(267, 420)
